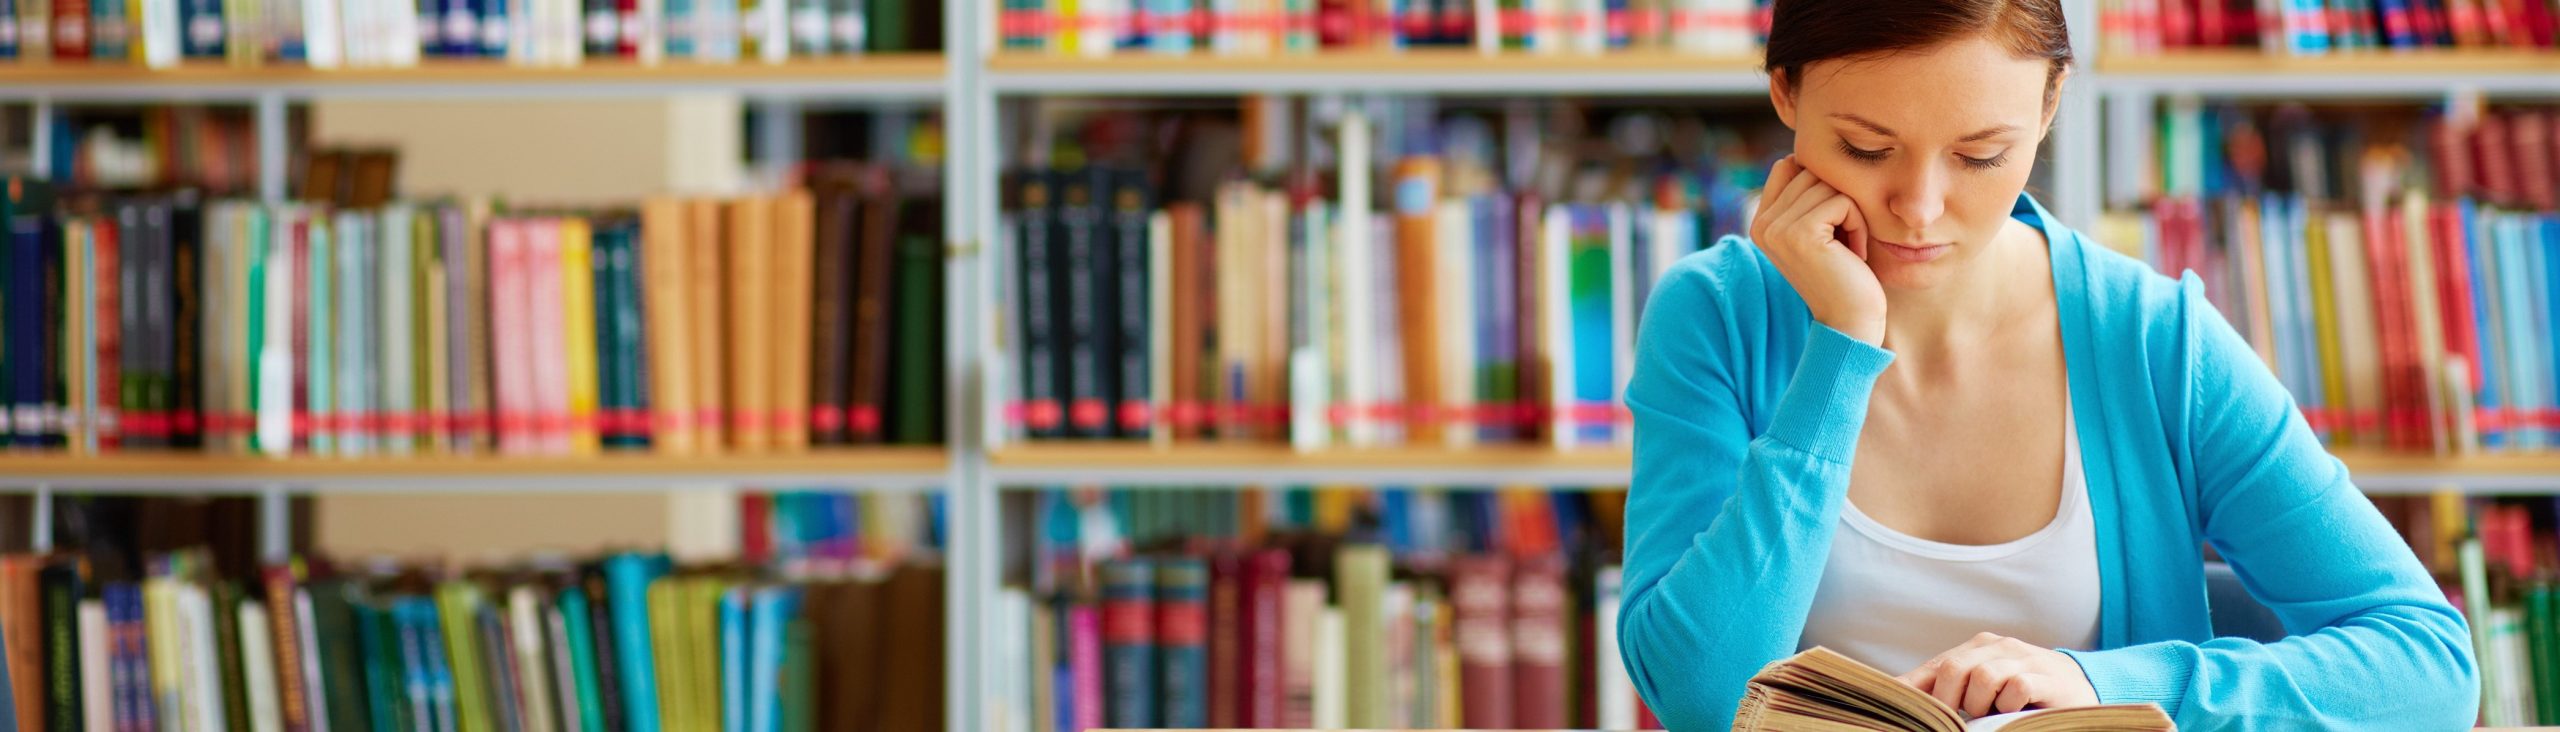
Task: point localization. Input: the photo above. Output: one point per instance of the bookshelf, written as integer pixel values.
(968, 81)
(907, 468)
(914, 76)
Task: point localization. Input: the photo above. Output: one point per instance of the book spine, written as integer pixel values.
(1182, 637)
(579, 309)
(1129, 643)
(1043, 414)
(1133, 414)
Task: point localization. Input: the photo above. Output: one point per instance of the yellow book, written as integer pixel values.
(435, 390)
(706, 255)
(794, 238)
(671, 329)
(2324, 316)
(751, 324)
(578, 293)
(702, 624)
(1068, 40)
(168, 682)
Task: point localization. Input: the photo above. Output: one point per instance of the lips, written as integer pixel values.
(1913, 252)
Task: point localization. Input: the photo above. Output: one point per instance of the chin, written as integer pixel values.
(1895, 275)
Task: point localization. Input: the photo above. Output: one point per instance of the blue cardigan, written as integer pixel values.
(1747, 416)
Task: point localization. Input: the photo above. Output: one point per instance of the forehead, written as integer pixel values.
(1962, 85)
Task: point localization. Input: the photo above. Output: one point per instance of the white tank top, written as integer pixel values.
(1895, 601)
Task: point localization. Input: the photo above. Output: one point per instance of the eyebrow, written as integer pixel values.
(1888, 131)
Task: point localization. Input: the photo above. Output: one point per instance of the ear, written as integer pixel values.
(1785, 101)
(2053, 99)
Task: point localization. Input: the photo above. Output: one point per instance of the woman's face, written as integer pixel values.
(1932, 145)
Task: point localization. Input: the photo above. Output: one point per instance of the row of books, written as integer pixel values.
(2391, 271)
(2498, 562)
(624, 643)
(374, 33)
(1296, 625)
(1458, 310)
(161, 147)
(766, 322)
(2315, 27)
(1097, 28)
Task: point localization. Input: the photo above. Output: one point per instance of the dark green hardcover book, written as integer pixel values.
(799, 677)
(342, 672)
(608, 653)
(386, 697)
(891, 30)
(185, 229)
(226, 639)
(916, 408)
(58, 588)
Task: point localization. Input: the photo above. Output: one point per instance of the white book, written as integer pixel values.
(650, 16)
(275, 354)
(995, 369)
(1590, 28)
(1456, 283)
(1555, 321)
(160, 33)
(354, 325)
(400, 33)
(2359, 356)
(1488, 26)
(1010, 707)
(1386, 344)
(1311, 361)
(320, 34)
(1617, 689)
(2427, 311)
(533, 688)
(1333, 692)
(97, 683)
(258, 668)
(773, 31)
(1622, 318)
(204, 665)
(1354, 255)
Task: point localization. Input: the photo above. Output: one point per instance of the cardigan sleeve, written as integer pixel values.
(2373, 644)
(1726, 532)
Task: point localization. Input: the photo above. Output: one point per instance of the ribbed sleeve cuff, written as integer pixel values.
(2151, 672)
(1825, 406)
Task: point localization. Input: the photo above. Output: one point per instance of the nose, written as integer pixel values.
(1919, 198)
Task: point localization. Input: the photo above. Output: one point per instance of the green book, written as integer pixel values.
(342, 675)
(1360, 574)
(226, 638)
(458, 606)
(58, 590)
(915, 392)
(2538, 629)
(574, 619)
(799, 678)
(385, 670)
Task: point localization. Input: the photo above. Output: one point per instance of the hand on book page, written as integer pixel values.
(1818, 240)
(1991, 673)
(1820, 691)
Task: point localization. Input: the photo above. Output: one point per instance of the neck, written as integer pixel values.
(1971, 304)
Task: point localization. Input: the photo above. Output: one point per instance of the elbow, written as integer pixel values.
(1676, 669)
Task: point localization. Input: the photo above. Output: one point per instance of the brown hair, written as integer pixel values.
(1805, 31)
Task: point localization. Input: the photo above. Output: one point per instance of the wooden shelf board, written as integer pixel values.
(2243, 62)
(194, 467)
(1420, 61)
(853, 70)
(2379, 463)
(1248, 457)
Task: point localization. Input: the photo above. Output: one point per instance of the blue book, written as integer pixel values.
(1497, 298)
(2516, 279)
(2543, 231)
(8, 50)
(494, 16)
(22, 271)
(355, 322)
(200, 27)
(574, 615)
(1128, 644)
(680, 17)
(110, 31)
(771, 613)
(417, 681)
(733, 660)
(2486, 395)
(460, 34)
(1182, 635)
(1594, 347)
(626, 578)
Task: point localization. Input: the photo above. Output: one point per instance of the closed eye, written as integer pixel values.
(1862, 154)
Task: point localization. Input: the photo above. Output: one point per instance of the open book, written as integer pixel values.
(1820, 691)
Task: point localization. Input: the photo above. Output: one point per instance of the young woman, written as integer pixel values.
(1916, 420)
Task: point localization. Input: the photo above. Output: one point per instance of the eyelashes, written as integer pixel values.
(1864, 155)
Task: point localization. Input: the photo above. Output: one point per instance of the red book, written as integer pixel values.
(2453, 288)
(2390, 310)
(1540, 685)
(755, 527)
(1265, 578)
(2212, 27)
(1480, 598)
(70, 31)
(108, 320)
(2177, 23)
(292, 695)
(1226, 641)
(298, 259)
(2532, 135)
(2497, 168)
